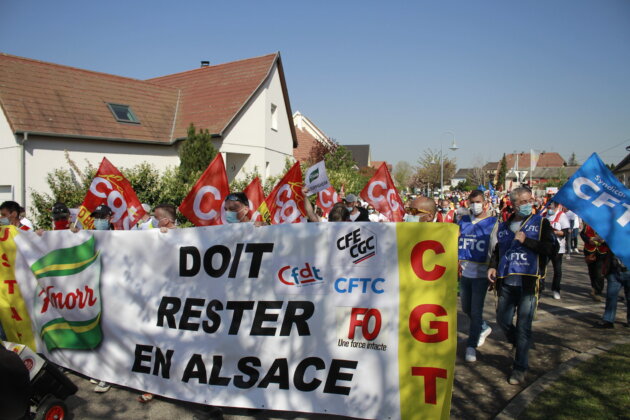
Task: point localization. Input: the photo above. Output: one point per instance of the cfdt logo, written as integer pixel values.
(360, 244)
(296, 276)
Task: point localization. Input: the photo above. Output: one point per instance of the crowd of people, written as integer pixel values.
(506, 242)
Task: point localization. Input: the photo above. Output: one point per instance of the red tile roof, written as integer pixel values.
(306, 142)
(39, 97)
(545, 160)
(48, 98)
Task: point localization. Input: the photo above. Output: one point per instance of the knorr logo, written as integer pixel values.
(313, 175)
(68, 303)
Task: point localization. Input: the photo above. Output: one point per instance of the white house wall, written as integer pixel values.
(10, 181)
(252, 134)
(43, 155)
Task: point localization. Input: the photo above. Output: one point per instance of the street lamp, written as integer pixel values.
(453, 147)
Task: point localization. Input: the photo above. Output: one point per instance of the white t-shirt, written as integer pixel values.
(560, 221)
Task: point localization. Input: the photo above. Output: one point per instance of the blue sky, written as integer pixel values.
(503, 76)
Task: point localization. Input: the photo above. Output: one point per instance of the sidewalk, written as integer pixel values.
(562, 329)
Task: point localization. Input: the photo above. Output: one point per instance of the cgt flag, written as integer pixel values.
(598, 197)
(381, 193)
(204, 203)
(286, 201)
(67, 305)
(256, 197)
(326, 199)
(110, 187)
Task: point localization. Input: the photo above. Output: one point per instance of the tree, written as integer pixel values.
(402, 175)
(502, 172)
(573, 161)
(195, 154)
(429, 168)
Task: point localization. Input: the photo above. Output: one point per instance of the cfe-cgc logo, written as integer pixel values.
(360, 327)
(360, 244)
(300, 276)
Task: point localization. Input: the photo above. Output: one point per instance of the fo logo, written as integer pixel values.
(296, 276)
(360, 244)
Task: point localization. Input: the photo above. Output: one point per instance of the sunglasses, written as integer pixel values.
(414, 211)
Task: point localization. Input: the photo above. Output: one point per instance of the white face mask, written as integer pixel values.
(410, 218)
(4, 221)
(477, 208)
(349, 209)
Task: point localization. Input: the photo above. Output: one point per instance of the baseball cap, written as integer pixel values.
(351, 198)
(102, 211)
(60, 210)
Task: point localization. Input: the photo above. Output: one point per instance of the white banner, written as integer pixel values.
(316, 178)
(289, 317)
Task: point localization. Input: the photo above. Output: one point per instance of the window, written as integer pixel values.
(274, 117)
(123, 113)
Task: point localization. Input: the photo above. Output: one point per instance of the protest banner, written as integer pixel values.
(203, 205)
(13, 314)
(381, 193)
(597, 196)
(318, 317)
(316, 179)
(110, 187)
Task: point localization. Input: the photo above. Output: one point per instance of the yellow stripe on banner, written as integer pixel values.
(427, 265)
(69, 266)
(13, 313)
(76, 329)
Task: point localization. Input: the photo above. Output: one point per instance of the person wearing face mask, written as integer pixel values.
(357, 213)
(237, 208)
(474, 253)
(523, 244)
(10, 215)
(422, 209)
(164, 217)
(102, 218)
(445, 213)
(561, 226)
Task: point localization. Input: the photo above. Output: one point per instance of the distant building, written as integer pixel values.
(360, 153)
(48, 109)
(622, 170)
(309, 136)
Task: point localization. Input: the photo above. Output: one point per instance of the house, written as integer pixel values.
(622, 170)
(48, 109)
(461, 175)
(309, 136)
(360, 153)
(521, 168)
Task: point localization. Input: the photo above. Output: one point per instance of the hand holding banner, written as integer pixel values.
(110, 187)
(381, 193)
(204, 203)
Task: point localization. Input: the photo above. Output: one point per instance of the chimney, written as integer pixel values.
(205, 63)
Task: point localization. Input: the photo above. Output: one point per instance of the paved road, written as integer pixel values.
(562, 329)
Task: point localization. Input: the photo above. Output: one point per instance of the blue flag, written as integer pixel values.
(491, 188)
(597, 196)
(481, 187)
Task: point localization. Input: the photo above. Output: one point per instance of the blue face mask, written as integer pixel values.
(410, 218)
(525, 209)
(101, 224)
(231, 216)
(551, 212)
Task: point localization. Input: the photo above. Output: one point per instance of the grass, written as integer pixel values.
(596, 389)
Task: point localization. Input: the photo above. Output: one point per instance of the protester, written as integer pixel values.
(10, 215)
(339, 213)
(460, 211)
(357, 213)
(421, 209)
(574, 232)
(165, 217)
(561, 227)
(618, 277)
(102, 216)
(146, 222)
(445, 213)
(596, 253)
(523, 243)
(236, 207)
(474, 254)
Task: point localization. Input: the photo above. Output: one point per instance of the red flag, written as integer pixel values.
(256, 197)
(381, 193)
(203, 205)
(286, 201)
(110, 187)
(326, 199)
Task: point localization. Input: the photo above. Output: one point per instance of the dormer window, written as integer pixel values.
(123, 113)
